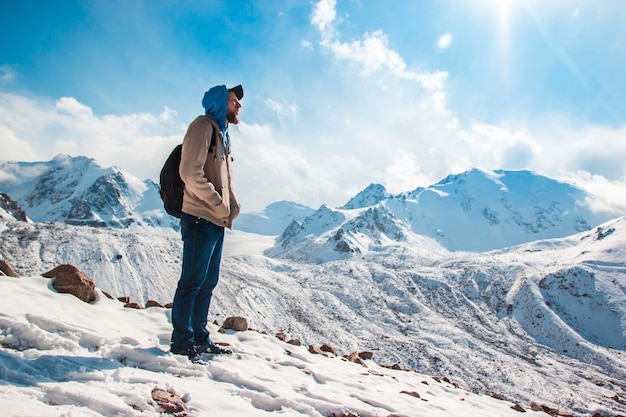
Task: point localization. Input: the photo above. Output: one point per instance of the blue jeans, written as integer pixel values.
(202, 253)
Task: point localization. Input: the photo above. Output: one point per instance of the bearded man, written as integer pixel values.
(209, 206)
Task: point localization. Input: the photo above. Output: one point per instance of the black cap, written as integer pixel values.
(238, 90)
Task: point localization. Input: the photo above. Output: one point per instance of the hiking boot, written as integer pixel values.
(191, 353)
(210, 347)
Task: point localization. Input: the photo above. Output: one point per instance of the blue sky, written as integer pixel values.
(338, 95)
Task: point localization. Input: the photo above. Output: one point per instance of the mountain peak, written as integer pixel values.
(78, 190)
(473, 211)
(371, 195)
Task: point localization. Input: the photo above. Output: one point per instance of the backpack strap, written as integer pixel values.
(213, 134)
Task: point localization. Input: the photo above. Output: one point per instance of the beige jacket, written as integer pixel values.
(207, 176)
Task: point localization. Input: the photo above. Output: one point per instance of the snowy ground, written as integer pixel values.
(60, 356)
(542, 322)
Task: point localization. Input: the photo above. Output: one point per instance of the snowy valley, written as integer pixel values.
(504, 282)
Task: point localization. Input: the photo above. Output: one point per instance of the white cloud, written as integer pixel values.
(284, 111)
(323, 15)
(404, 173)
(71, 106)
(39, 130)
(371, 53)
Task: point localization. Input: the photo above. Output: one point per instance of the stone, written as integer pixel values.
(316, 350)
(169, 402)
(69, 279)
(328, 348)
(7, 269)
(152, 303)
(239, 324)
(366, 355)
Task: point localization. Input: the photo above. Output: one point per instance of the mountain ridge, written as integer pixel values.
(475, 210)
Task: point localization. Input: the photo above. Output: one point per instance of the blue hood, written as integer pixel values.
(215, 102)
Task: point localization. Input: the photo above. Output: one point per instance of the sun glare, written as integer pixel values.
(504, 10)
(444, 42)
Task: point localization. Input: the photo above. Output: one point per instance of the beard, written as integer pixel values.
(232, 117)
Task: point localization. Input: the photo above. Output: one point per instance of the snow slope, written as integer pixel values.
(542, 322)
(61, 356)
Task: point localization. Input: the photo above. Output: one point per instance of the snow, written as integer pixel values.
(543, 322)
(60, 356)
(537, 322)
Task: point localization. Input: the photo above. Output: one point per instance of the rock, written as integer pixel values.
(107, 295)
(169, 402)
(411, 393)
(354, 357)
(133, 305)
(519, 408)
(11, 207)
(68, 279)
(7, 269)
(295, 342)
(328, 348)
(366, 355)
(152, 303)
(239, 324)
(316, 350)
(281, 336)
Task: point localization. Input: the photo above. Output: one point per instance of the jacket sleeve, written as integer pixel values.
(193, 158)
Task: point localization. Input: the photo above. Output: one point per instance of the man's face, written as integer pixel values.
(232, 110)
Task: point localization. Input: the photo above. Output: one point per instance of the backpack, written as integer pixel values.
(171, 186)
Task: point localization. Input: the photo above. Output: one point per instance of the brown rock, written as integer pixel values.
(295, 342)
(7, 269)
(316, 350)
(328, 348)
(550, 410)
(152, 303)
(411, 393)
(519, 408)
(68, 279)
(169, 402)
(366, 355)
(239, 324)
(124, 299)
(354, 357)
(133, 305)
(281, 336)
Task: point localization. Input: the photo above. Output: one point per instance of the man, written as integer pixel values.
(209, 205)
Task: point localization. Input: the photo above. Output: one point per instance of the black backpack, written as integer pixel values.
(171, 185)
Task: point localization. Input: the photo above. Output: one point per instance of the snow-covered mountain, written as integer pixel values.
(79, 191)
(541, 322)
(473, 211)
(541, 317)
(272, 220)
